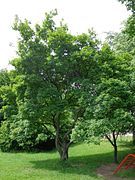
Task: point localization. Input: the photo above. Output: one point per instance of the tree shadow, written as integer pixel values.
(80, 165)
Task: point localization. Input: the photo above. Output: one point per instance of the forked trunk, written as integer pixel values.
(64, 154)
(62, 147)
(63, 150)
(113, 142)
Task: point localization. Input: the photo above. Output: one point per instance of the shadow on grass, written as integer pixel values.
(81, 165)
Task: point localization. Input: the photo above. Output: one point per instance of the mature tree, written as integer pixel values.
(53, 69)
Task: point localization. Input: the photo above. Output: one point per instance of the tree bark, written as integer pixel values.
(62, 145)
(133, 126)
(62, 148)
(64, 153)
(115, 154)
(115, 147)
(133, 135)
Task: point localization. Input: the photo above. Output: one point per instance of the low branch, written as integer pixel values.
(114, 138)
(74, 123)
(109, 139)
(117, 134)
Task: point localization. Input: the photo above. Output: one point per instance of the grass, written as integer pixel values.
(82, 164)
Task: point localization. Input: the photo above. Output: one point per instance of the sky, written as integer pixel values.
(80, 15)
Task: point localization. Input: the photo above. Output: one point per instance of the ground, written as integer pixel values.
(106, 171)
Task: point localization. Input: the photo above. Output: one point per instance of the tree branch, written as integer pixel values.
(74, 123)
(47, 129)
(109, 139)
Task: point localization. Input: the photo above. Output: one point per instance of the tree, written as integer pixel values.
(53, 67)
(125, 42)
(132, 104)
(110, 114)
(115, 96)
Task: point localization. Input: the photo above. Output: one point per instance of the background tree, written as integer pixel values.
(4, 80)
(125, 42)
(8, 107)
(110, 114)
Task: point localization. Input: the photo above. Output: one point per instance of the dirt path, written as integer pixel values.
(106, 171)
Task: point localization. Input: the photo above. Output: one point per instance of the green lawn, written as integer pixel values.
(82, 164)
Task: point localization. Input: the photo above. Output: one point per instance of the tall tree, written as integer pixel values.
(53, 67)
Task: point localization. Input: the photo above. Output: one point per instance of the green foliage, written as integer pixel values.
(5, 141)
(4, 81)
(51, 79)
(112, 106)
(21, 134)
(16, 132)
(110, 113)
(129, 28)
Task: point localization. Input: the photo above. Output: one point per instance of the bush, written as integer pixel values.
(21, 135)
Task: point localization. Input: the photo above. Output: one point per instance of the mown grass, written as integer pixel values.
(82, 164)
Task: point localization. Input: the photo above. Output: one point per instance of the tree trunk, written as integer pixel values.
(64, 153)
(134, 136)
(62, 148)
(115, 147)
(113, 142)
(115, 154)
